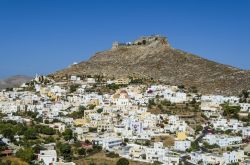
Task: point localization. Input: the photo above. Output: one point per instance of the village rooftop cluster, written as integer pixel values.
(58, 122)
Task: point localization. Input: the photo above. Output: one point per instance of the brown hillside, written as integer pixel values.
(153, 57)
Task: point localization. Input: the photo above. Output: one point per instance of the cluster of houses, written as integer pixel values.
(123, 117)
(232, 157)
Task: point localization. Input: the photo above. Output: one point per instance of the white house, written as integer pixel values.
(220, 99)
(136, 151)
(182, 145)
(91, 81)
(110, 142)
(222, 140)
(245, 107)
(210, 109)
(215, 159)
(175, 97)
(246, 132)
(233, 157)
(47, 156)
(224, 124)
(156, 153)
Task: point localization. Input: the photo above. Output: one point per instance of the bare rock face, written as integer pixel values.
(153, 57)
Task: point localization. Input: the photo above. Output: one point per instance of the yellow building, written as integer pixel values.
(95, 102)
(81, 122)
(53, 96)
(44, 91)
(181, 135)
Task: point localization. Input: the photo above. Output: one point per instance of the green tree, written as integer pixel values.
(122, 161)
(30, 133)
(194, 146)
(27, 154)
(81, 108)
(113, 86)
(79, 113)
(46, 121)
(112, 155)
(181, 87)
(136, 81)
(144, 42)
(9, 133)
(65, 151)
(244, 96)
(91, 106)
(92, 129)
(49, 139)
(126, 140)
(231, 111)
(67, 134)
(151, 103)
(248, 118)
(45, 130)
(81, 151)
(73, 88)
(37, 148)
(100, 110)
(97, 148)
(157, 163)
(198, 128)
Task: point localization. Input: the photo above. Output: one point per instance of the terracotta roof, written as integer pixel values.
(6, 152)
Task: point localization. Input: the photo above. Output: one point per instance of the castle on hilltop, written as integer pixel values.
(145, 40)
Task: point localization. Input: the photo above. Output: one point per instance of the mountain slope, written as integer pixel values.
(14, 81)
(153, 57)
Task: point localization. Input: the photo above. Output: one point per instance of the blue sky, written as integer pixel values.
(42, 36)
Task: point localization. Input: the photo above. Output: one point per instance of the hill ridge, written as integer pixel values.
(153, 57)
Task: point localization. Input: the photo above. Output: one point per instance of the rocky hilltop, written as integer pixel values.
(153, 57)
